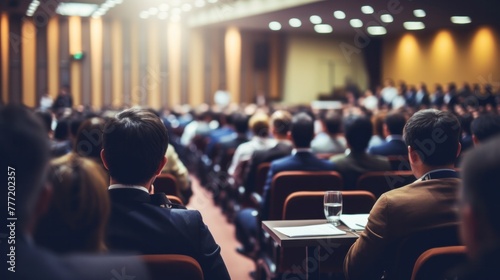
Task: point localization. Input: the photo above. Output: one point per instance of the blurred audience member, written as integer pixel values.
(370, 101)
(389, 92)
(378, 137)
(46, 101)
(176, 168)
(484, 127)
(393, 130)
(331, 140)
(63, 100)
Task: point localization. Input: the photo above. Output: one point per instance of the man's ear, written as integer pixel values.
(289, 135)
(459, 149)
(103, 158)
(161, 165)
(413, 155)
(475, 140)
(385, 130)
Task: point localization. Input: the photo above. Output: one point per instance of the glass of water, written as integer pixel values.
(332, 203)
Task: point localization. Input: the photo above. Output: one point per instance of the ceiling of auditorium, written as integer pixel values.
(257, 14)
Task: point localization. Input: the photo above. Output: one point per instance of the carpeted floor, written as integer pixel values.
(239, 267)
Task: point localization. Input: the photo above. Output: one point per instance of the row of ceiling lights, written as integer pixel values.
(320, 27)
(174, 10)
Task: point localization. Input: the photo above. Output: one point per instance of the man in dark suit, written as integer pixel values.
(358, 131)
(484, 127)
(433, 143)
(302, 159)
(25, 155)
(134, 146)
(393, 130)
(280, 126)
(479, 210)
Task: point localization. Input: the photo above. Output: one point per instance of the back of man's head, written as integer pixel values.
(333, 122)
(281, 121)
(134, 143)
(434, 135)
(240, 123)
(481, 189)
(358, 132)
(485, 126)
(24, 149)
(395, 123)
(259, 123)
(302, 130)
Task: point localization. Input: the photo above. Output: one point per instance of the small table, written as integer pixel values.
(311, 243)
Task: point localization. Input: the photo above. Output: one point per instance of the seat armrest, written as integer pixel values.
(256, 200)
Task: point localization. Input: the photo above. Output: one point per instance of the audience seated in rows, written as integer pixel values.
(393, 130)
(433, 140)
(358, 131)
(79, 209)
(330, 141)
(134, 147)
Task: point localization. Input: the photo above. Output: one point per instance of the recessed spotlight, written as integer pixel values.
(295, 22)
(186, 7)
(460, 19)
(339, 15)
(413, 25)
(367, 10)
(153, 11)
(315, 19)
(323, 28)
(274, 25)
(387, 18)
(144, 14)
(376, 30)
(419, 13)
(356, 23)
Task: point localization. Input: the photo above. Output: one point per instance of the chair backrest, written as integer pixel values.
(167, 184)
(173, 267)
(175, 199)
(410, 248)
(399, 163)
(309, 205)
(434, 263)
(261, 177)
(287, 182)
(379, 182)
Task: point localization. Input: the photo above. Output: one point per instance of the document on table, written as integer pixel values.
(355, 221)
(312, 230)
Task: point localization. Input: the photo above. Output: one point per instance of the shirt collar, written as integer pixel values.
(428, 175)
(120, 186)
(301, 150)
(394, 137)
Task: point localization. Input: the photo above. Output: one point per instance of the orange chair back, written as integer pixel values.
(380, 182)
(309, 205)
(167, 184)
(434, 263)
(261, 177)
(173, 267)
(399, 163)
(288, 182)
(175, 199)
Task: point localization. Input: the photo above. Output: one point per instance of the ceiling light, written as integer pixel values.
(274, 25)
(460, 19)
(367, 10)
(387, 18)
(76, 9)
(356, 23)
(414, 25)
(144, 14)
(32, 7)
(376, 30)
(419, 13)
(186, 7)
(163, 7)
(323, 28)
(295, 22)
(153, 11)
(339, 15)
(315, 19)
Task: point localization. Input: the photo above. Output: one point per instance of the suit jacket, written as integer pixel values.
(281, 149)
(397, 214)
(300, 161)
(137, 225)
(394, 147)
(352, 166)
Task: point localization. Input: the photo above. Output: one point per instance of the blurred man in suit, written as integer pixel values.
(485, 127)
(280, 126)
(358, 131)
(479, 211)
(433, 143)
(393, 130)
(330, 141)
(134, 146)
(24, 155)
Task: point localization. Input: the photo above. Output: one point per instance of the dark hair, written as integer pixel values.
(465, 122)
(358, 132)
(24, 146)
(46, 118)
(240, 122)
(333, 122)
(134, 143)
(395, 123)
(302, 130)
(485, 126)
(62, 129)
(74, 125)
(480, 181)
(281, 120)
(435, 135)
(89, 138)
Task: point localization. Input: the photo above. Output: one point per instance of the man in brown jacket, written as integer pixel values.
(432, 138)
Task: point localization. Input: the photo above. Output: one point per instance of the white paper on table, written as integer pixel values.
(355, 221)
(312, 230)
